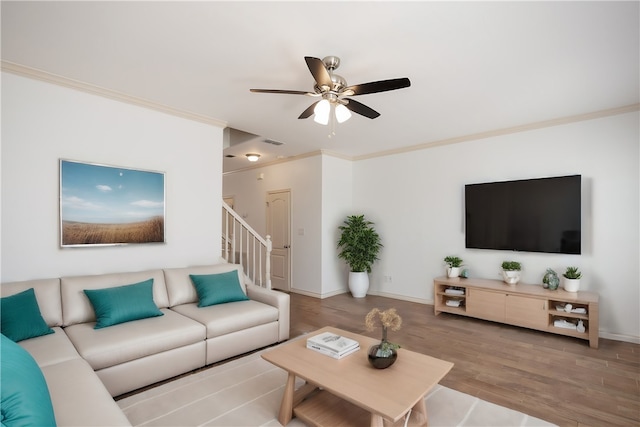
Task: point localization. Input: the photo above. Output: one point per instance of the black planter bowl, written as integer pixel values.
(381, 362)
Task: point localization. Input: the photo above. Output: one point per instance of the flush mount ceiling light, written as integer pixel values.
(252, 157)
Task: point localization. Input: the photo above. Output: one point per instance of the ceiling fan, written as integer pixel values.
(334, 92)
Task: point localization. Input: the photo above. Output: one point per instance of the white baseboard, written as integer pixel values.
(402, 297)
(619, 337)
(317, 295)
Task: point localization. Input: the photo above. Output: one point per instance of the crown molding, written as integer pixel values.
(44, 76)
(34, 73)
(506, 131)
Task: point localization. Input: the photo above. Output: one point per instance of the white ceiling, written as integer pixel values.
(474, 67)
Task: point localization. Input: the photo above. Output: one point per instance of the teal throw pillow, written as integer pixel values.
(123, 303)
(21, 318)
(218, 288)
(24, 395)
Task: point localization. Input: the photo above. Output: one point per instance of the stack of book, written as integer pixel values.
(332, 345)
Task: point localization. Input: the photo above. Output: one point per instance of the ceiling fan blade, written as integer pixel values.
(319, 72)
(288, 92)
(379, 86)
(308, 112)
(361, 109)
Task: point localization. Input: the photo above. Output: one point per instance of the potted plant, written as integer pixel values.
(453, 265)
(572, 279)
(359, 246)
(511, 272)
(384, 354)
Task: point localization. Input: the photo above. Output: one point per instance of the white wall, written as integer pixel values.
(418, 207)
(42, 123)
(337, 204)
(303, 179)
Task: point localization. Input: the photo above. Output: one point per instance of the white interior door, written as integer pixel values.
(279, 228)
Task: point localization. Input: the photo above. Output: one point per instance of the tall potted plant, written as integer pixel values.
(359, 246)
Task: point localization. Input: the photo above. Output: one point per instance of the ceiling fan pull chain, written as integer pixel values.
(332, 121)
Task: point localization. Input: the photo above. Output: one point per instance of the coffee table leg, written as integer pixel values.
(286, 407)
(419, 412)
(376, 421)
(420, 409)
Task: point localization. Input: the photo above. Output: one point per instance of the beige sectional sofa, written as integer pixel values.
(85, 367)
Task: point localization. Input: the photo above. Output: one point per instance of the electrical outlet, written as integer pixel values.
(387, 279)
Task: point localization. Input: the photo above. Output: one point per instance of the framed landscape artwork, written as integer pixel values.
(108, 205)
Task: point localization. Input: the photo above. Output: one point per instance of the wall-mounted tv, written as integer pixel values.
(532, 215)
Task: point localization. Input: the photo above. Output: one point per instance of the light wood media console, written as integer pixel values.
(529, 306)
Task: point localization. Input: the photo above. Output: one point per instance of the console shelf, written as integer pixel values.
(529, 306)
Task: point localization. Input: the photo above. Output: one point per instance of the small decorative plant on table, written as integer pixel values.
(511, 272)
(384, 354)
(453, 265)
(572, 279)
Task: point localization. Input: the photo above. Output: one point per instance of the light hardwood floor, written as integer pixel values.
(559, 379)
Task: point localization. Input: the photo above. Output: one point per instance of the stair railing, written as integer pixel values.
(241, 244)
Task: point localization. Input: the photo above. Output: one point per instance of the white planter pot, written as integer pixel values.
(358, 284)
(511, 276)
(453, 271)
(571, 285)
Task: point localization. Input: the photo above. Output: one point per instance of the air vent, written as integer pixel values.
(229, 156)
(272, 142)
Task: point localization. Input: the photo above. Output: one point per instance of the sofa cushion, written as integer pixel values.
(79, 397)
(47, 293)
(50, 349)
(180, 287)
(20, 317)
(122, 343)
(123, 303)
(76, 305)
(231, 317)
(24, 393)
(218, 288)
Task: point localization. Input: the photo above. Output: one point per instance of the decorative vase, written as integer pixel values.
(381, 356)
(453, 271)
(571, 285)
(511, 276)
(550, 280)
(358, 283)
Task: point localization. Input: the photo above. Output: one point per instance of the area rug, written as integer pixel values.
(247, 392)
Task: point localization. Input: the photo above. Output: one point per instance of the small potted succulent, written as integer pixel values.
(511, 272)
(572, 279)
(453, 265)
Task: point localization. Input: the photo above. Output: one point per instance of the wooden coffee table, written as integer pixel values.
(349, 391)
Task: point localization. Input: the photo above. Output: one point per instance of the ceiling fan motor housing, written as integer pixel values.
(331, 62)
(333, 88)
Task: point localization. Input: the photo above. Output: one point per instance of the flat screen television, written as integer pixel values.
(531, 215)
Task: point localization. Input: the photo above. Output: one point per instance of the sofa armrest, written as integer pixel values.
(277, 299)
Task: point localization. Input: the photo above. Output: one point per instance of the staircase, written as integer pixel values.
(242, 245)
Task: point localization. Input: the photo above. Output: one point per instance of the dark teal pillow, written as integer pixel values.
(24, 395)
(21, 318)
(218, 288)
(123, 303)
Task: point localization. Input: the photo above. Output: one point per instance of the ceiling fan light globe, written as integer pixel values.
(342, 113)
(321, 112)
